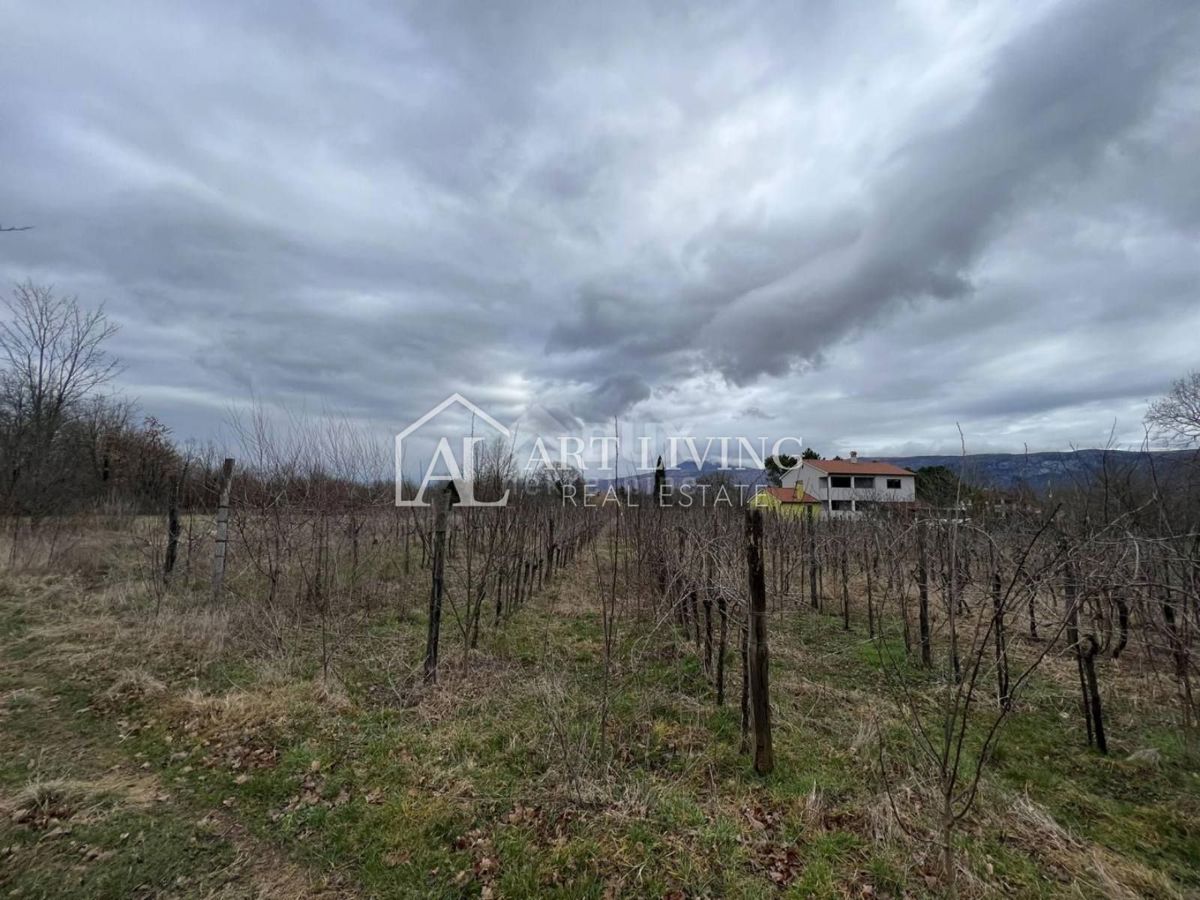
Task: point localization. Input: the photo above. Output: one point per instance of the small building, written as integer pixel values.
(787, 501)
(848, 487)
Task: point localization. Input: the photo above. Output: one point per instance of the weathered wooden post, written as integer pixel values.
(758, 658)
(441, 509)
(708, 617)
(923, 597)
(1072, 598)
(1002, 686)
(814, 594)
(499, 596)
(723, 611)
(845, 585)
(1085, 660)
(870, 561)
(172, 535)
(1093, 689)
(218, 576)
(744, 745)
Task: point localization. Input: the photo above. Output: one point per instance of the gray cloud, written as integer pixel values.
(613, 396)
(856, 225)
(1058, 94)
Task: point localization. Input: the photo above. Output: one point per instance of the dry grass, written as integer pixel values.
(132, 686)
(659, 759)
(201, 633)
(1087, 864)
(18, 698)
(44, 802)
(240, 710)
(1148, 757)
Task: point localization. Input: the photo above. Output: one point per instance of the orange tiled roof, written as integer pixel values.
(788, 495)
(862, 467)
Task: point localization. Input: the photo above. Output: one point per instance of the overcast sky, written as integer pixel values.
(858, 223)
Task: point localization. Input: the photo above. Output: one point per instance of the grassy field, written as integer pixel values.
(175, 755)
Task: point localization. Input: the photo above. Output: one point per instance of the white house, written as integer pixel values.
(850, 486)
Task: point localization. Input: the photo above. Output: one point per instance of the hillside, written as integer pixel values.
(1038, 471)
(1043, 470)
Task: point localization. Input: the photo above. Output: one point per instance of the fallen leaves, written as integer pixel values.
(485, 868)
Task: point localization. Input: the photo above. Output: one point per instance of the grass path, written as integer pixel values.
(83, 813)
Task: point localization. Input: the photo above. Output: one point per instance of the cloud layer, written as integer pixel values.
(857, 225)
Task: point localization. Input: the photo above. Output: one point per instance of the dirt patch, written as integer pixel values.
(267, 872)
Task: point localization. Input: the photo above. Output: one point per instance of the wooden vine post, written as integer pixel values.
(760, 700)
(441, 511)
(173, 530)
(1003, 688)
(923, 597)
(811, 527)
(218, 575)
(1085, 657)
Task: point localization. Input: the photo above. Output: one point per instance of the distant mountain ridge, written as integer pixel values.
(1038, 471)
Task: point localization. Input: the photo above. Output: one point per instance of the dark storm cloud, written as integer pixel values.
(613, 396)
(847, 222)
(1058, 94)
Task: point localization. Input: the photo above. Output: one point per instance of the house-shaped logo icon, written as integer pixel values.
(459, 469)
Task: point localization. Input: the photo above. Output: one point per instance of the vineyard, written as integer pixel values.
(287, 686)
(488, 451)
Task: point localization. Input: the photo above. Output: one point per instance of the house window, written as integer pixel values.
(862, 481)
(839, 481)
(844, 505)
(893, 484)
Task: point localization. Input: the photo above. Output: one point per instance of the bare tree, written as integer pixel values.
(53, 350)
(1177, 415)
(54, 361)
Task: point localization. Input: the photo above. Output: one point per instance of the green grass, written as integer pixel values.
(501, 780)
(127, 854)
